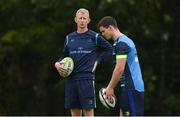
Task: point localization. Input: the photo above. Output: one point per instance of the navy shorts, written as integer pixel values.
(80, 94)
(132, 103)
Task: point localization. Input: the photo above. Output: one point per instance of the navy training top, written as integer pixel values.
(85, 49)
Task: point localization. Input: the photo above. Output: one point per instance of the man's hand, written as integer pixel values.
(109, 93)
(61, 71)
(95, 65)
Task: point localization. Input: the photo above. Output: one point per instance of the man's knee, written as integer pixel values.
(88, 112)
(76, 112)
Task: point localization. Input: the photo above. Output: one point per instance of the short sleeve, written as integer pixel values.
(122, 48)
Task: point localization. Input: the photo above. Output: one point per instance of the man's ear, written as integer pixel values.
(75, 19)
(89, 20)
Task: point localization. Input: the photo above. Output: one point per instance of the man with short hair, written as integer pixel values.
(127, 71)
(87, 48)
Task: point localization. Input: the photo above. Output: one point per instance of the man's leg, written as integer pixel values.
(87, 97)
(76, 112)
(88, 112)
(134, 103)
(71, 99)
(120, 113)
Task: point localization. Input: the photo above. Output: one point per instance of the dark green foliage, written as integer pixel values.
(32, 34)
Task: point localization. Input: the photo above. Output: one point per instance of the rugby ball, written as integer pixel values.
(68, 65)
(108, 104)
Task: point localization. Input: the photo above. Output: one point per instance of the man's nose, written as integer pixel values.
(82, 19)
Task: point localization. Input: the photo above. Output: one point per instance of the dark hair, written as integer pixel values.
(106, 21)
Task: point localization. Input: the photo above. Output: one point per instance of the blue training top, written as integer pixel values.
(85, 49)
(132, 76)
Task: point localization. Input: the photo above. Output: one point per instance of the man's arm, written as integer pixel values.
(64, 52)
(95, 65)
(58, 64)
(105, 47)
(118, 71)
